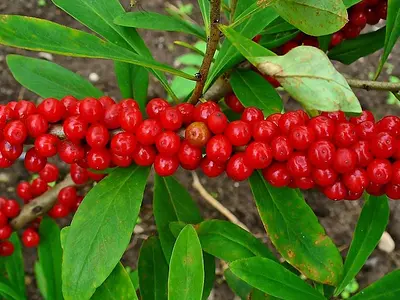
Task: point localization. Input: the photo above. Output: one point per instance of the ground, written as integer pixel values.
(338, 219)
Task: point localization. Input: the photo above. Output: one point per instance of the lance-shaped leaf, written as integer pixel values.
(238, 286)
(101, 231)
(273, 279)
(41, 280)
(8, 292)
(295, 231)
(372, 223)
(314, 17)
(386, 288)
(118, 286)
(186, 273)
(48, 79)
(153, 271)
(205, 12)
(41, 35)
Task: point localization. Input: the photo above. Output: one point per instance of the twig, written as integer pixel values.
(212, 45)
(219, 89)
(40, 205)
(374, 85)
(217, 205)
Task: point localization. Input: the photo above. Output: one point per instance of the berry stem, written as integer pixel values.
(212, 45)
(374, 85)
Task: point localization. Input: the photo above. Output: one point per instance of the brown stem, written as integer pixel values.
(374, 85)
(40, 205)
(212, 45)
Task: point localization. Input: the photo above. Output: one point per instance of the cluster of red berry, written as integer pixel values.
(8, 209)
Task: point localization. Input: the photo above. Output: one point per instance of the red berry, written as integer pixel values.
(238, 133)
(36, 125)
(382, 9)
(67, 196)
(396, 173)
(6, 115)
(171, 119)
(96, 176)
(189, 156)
(363, 152)
(79, 175)
(6, 248)
(233, 103)
(47, 145)
(345, 135)
(30, 238)
(210, 168)
(69, 103)
(204, 110)
(380, 171)
(168, 143)
(366, 130)
(99, 159)
(186, 110)
(237, 168)
(353, 196)
(336, 191)
(165, 165)
(106, 102)
(97, 136)
(11, 208)
(197, 134)
(38, 187)
(372, 16)
(389, 124)
(356, 181)
(58, 211)
(15, 132)
(273, 81)
(4, 162)
(298, 165)
(376, 189)
(289, 46)
(393, 191)
(321, 154)
(274, 118)
(345, 160)
(311, 41)
(277, 175)
(219, 149)
(351, 31)
(304, 183)
(9, 151)
(91, 110)
(303, 115)
(121, 161)
(75, 128)
(217, 122)
(383, 145)
(155, 107)
(289, 120)
(130, 119)
(24, 109)
(111, 116)
(5, 232)
(70, 152)
(358, 18)
(129, 104)
(366, 115)
(144, 155)
(252, 115)
(337, 116)
(258, 155)
(337, 38)
(148, 131)
(52, 110)
(24, 191)
(324, 177)
(265, 131)
(396, 154)
(123, 143)
(301, 137)
(257, 38)
(323, 127)
(3, 219)
(281, 148)
(49, 173)
(33, 161)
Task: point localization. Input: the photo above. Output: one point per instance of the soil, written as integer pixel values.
(338, 218)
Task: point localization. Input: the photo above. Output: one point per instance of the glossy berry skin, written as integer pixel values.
(238, 133)
(155, 107)
(148, 131)
(372, 16)
(382, 9)
(23, 109)
(123, 143)
(324, 177)
(393, 191)
(323, 127)
(298, 165)
(264, 131)
(337, 116)
(277, 175)
(389, 124)
(69, 102)
(58, 211)
(6, 114)
(366, 130)
(376, 189)
(281, 148)
(345, 135)
(144, 155)
(336, 192)
(130, 119)
(49, 173)
(237, 168)
(337, 38)
(366, 115)
(15, 132)
(30, 238)
(111, 116)
(5, 232)
(396, 173)
(211, 168)
(4, 162)
(217, 122)
(168, 143)
(274, 118)
(11, 209)
(301, 137)
(189, 156)
(358, 18)
(78, 174)
(9, 151)
(24, 191)
(396, 154)
(171, 119)
(321, 154)
(33, 161)
(91, 110)
(289, 120)
(165, 165)
(304, 183)
(345, 160)
(258, 155)
(233, 103)
(99, 159)
(363, 152)
(46, 145)
(186, 110)
(67, 196)
(70, 152)
(197, 134)
(97, 136)
(273, 81)
(383, 145)
(351, 31)
(36, 125)
(202, 111)
(356, 181)
(38, 187)
(106, 101)
(252, 115)
(380, 171)
(129, 103)
(6, 248)
(75, 128)
(3, 219)
(219, 149)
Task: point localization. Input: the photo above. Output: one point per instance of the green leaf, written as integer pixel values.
(229, 242)
(182, 86)
(155, 21)
(41, 280)
(296, 233)
(15, 267)
(134, 276)
(118, 286)
(386, 288)
(324, 42)
(228, 55)
(41, 35)
(349, 51)
(205, 12)
(186, 274)
(314, 17)
(63, 236)
(392, 32)
(48, 79)
(277, 26)
(153, 271)
(274, 40)
(99, 17)
(273, 279)
(101, 231)
(238, 286)
(350, 3)
(50, 257)
(372, 223)
(8, 290)
(253, 90)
